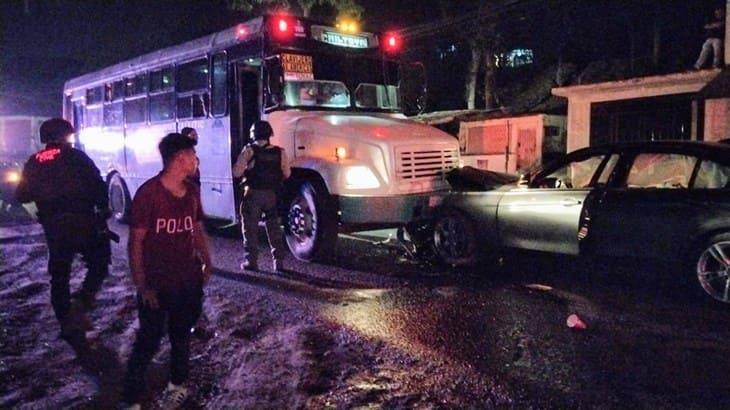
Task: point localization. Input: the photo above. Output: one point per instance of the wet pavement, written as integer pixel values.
(491, 336)
(649, 341)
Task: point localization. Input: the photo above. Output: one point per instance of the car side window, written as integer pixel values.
(712, 175)
(607, 170)
(661, 171)
(575, 174)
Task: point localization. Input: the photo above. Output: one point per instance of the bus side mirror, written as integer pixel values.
(413, 88)
(274, 82)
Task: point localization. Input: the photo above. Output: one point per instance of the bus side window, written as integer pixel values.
(78, 108)
(219, 89)
(135, 103)
(94, 97)
(192, 88)
(162, 95)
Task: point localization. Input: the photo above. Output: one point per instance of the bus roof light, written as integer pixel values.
(241, 32)
(392, 43)
(283, 25)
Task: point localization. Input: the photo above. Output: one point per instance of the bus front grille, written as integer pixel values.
(416, 163)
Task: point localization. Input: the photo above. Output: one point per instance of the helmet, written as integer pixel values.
(261, 130)
(55, 129)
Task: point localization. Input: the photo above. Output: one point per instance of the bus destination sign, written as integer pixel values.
(344, 40)
(297, 67)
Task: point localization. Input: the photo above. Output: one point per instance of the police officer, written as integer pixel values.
(72, 203)
(265, 167)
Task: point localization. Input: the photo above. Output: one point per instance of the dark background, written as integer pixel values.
(44, 43)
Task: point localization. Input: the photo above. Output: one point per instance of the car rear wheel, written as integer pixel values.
(713, 267)
(455, 239)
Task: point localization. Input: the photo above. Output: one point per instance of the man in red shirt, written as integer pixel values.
(170, 263)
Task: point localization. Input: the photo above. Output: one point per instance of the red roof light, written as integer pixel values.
(241, 32)
(283, 25)
(392, 42)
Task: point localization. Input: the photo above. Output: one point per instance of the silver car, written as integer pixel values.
(665, 200)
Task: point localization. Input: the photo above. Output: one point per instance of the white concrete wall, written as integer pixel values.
(717, 119)
(579, 124)
(507, 162)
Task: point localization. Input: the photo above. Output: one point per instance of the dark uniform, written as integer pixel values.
(72, 203)
(265, 167)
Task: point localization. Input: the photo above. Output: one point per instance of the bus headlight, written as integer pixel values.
(360, 177)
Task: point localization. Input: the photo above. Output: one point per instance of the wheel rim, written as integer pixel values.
(450, 239)
(713, 270)
(301, 221)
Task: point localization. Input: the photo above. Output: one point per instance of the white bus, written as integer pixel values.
(332, 98)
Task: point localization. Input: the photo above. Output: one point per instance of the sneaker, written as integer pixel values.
(174, 396)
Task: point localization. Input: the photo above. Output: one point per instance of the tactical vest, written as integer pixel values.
(266, 171)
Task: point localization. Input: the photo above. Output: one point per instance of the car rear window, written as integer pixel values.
(712, 175)
(663, 171)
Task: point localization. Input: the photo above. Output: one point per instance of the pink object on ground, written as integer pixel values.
(574, 322)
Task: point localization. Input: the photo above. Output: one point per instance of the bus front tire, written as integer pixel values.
(119, 200)
(311, 222)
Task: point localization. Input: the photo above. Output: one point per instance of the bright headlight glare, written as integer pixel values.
(360, 177)
(12, 177)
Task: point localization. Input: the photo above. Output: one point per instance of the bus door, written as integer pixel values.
(245, 111)
(248, 103)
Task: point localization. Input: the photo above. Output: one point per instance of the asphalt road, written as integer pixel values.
(649, 341)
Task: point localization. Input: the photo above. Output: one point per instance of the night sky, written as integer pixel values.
(60, 39)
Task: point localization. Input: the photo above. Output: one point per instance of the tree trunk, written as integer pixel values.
(489, 80)
(471, 75)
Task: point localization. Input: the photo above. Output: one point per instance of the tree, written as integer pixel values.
(303, 7)
(484, 44)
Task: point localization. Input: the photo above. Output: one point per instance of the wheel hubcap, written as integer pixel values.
(448, 238)
(713, 270)
(301, 222)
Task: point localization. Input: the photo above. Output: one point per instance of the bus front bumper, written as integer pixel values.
(386, 210)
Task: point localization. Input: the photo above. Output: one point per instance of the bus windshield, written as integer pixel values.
(338, 81)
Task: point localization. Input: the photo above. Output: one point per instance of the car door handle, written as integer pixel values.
(570, 202)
